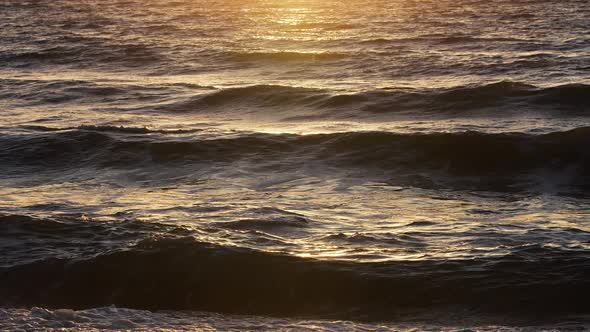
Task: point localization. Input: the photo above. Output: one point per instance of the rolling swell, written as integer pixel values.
(181, 273)
(231, 217)
(37, 92)
(465, 100)
(258, 95)
(456, 154)
(286, 56)
(84, 54)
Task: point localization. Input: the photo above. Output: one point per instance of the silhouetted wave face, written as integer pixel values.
(466, 101)
(416, 165)
(507, 161)
(176, 271)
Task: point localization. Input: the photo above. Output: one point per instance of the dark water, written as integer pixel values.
(295, 165)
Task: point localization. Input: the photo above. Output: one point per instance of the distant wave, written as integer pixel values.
(496, 160)
(178, 272)
(130, 130)
(112, 129)
(439, 39)
(301, 102)
(261, 95)
(286, 56)
(321, 25)
(84, 53)
(39, 92)
(568, 99)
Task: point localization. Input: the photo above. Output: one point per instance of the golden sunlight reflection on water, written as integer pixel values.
(376, 223)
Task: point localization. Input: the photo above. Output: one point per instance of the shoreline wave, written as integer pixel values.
(181, 273)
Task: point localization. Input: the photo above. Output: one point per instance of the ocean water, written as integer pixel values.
(287, 165)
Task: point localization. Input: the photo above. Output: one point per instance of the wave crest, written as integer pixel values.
(181, 273)
(464, 101)
(488, 159)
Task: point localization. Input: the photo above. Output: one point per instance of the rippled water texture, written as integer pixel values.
(295, 165)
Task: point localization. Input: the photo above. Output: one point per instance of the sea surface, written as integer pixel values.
(295, 165)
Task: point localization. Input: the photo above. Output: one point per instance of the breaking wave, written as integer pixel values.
(179, 272)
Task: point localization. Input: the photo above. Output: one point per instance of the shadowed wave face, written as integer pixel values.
(501, 161)
(237, 280)
(379, 165)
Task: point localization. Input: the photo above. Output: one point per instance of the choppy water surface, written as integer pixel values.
(368, 165)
